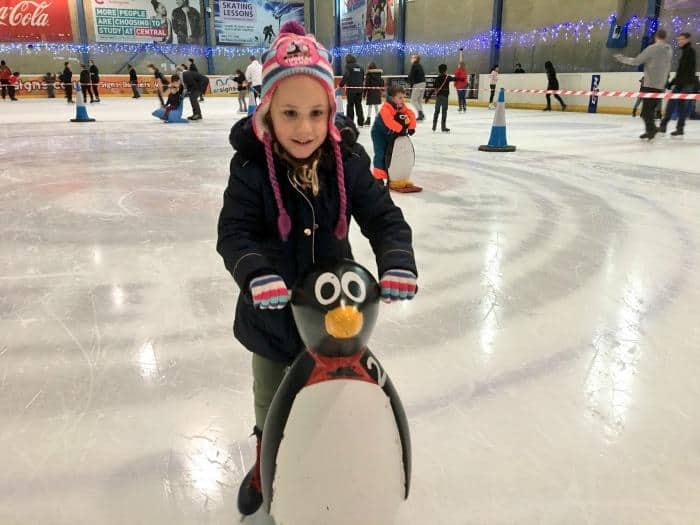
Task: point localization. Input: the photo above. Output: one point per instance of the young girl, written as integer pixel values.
(493, 80)
(290, 197)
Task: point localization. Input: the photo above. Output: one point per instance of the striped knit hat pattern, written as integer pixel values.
(295, 53)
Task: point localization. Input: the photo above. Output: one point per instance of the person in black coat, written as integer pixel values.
(416, 79)
(192, 81)
(552, 84)
(442, 95)
(192, 66)
(134, 81)
(161, 82)
(374, 84)
(187, 23)
(354, 79)
(251, 246)
(685, 81)
(95, 80)
(203, 87)
(67, 81)
(85, 83)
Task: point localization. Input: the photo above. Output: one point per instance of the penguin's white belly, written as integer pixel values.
(340, 459)
(403, 158)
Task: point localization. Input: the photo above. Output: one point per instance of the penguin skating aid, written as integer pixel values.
(336, 447)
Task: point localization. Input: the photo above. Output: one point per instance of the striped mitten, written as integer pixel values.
(398, 285)
(269, 292)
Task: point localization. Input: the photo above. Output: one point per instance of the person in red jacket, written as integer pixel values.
(13, 85)
(461, 76)
(5, 74)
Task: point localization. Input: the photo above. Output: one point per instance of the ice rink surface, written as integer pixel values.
(549, 365)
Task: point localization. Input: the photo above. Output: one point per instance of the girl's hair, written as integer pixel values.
(239, 71)
(494, 68)
(350, 59)
(151, 65)
(372, 65)
(395, 89)
(548, 66)
(442, 68)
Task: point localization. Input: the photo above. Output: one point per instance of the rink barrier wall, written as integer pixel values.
(524, 91)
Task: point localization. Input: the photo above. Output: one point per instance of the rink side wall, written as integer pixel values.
(222, 85)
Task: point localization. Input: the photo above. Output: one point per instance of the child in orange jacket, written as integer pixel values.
(395, 120)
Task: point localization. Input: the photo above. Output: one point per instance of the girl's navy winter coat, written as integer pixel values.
(250, 243)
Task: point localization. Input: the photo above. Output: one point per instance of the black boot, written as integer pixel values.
(250, 494)
(662, 127)
(677, 133)
(548, 108)
(368, 121)
(421, 116)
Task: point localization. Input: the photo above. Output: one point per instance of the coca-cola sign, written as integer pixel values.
(35, 20)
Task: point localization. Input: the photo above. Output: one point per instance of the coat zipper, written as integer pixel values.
(313, 217)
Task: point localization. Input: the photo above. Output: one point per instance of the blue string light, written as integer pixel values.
(576, 31)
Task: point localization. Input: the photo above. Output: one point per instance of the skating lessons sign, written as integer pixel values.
(253, 21)
(367, 21)
(47, 20)
(136, 21)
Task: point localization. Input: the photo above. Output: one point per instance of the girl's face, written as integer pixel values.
(300, 112)
(399, 99)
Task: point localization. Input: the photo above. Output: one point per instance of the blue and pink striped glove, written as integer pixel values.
(398, 285)
(269, 292)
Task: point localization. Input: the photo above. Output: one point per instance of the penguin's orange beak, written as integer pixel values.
(344, 322)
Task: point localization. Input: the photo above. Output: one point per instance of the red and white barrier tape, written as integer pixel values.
(619, 94)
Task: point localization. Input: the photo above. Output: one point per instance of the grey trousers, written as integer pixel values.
(267, 376)
(417, 96)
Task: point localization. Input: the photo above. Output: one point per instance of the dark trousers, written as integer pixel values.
(11, 91)
(95, 85)
(51, 90)
(194, 100)
(135, 89)
(462, 96)
(493, 92)
(355, 104)
(3, 89)
(549, 100)
(87, 90)
(440, 104)
(649, 110)
(256, 93)
(69, 92)
(160, 97)
(680, 105)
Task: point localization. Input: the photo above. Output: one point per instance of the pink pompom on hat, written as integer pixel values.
(296, 53)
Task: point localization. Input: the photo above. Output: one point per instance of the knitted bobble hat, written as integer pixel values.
(295, 53)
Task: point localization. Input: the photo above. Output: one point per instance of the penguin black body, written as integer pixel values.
(336, 447)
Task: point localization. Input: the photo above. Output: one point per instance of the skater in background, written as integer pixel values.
(192, 66)
(353, 81)
(134, 81)
(241, 84)
(519, 68)
(175, 91)
(5, 74)
(374, 86)
(461, 79)
(395, 120)
(13, 86)
(493, 81)
(161, 82)
(85, 83)
(67, 82)
(95, 80)
(657, 64)
(639, 100)
(203, 87)
(416, 79)
(290, 197)
(192, 81)
(50, 80)
(552, 85)
(683, 82)
(253, 75)
(268, 34)
(442, 96)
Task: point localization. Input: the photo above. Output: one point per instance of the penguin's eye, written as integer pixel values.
(354, 287)
(327, 288)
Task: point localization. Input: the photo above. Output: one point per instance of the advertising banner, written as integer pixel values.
(36, 21)
(143, 21)
(255, 22)
(367, 21)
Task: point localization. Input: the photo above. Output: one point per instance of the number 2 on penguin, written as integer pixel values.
(381, 375)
